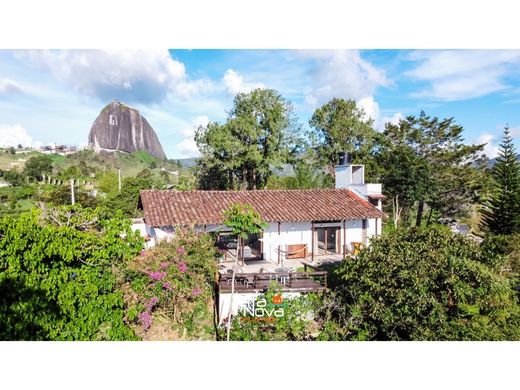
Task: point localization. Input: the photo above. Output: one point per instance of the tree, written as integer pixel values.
(12, 150)
(13, 177)
(260, 133)
(127, 199)
(446, 172)
(426, 284)
(243, 221)
(502, 212)
(108, 183)
(61, 196)
(340, 126)
(56, 280)
(20, 146)
(38, 166)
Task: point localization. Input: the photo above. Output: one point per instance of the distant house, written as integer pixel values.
(301, 223)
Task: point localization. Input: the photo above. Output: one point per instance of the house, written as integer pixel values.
(303, 226)
(301, 223)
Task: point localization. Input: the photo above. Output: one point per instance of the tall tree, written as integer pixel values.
(502, 212)
(260, 133)
(443, 168)
(341, 126)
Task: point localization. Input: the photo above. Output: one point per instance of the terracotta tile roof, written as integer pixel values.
(166, 208)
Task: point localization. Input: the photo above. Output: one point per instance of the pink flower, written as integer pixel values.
(164, 265)
(142, 253)
(167, 286)
(195, 292)
(151, 303)
(182, 267)
(181, 250)
(156, 275)
(145, 318)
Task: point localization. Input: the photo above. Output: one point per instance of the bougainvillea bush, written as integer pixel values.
(56, 274)
(172, 286)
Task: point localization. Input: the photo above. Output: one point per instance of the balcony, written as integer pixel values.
(287, 281)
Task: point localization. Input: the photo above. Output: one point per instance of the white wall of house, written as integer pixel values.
(240, 300)
(275, 239)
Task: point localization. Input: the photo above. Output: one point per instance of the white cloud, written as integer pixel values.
(394, 119)
(463, 74)
(491, 148)
(234, 83)
(371, 108)
(12, 135)
(130, 75)
(188, 146)
(8, 87)
(342, 74)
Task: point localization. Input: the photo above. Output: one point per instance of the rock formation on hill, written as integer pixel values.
(119, 127)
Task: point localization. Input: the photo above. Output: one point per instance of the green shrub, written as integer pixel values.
(56, 280)
(426, 284)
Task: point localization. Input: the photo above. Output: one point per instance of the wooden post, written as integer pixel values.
(312, 242)
(72, 200)
(119, 179)
(344, 240)
(279, 243)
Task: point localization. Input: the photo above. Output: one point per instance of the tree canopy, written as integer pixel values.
(424, 160)
(341, 126)
(38, 166)
(259, 133)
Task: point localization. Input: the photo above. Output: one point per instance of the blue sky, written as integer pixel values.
(54, 96)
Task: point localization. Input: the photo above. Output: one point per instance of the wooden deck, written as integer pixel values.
(288, 282)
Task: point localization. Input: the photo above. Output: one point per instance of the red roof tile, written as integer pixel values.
(166, 208)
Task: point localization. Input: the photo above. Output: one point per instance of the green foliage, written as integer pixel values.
(501, 214)
(14, 177)
(38, 166)
(296, 324)
(425, 284)
(145, 157)
(61, 196)
(506, 261)
(108, 183)
(340, 126)
(56, 280)
(127, 200)
(260, 132)
(306, 176)
(423, 160)
(243, 220)
(174, 281)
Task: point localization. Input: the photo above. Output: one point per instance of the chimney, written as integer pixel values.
(344, 158)
(348, 174)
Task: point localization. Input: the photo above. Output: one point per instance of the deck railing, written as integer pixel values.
(287, 281)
